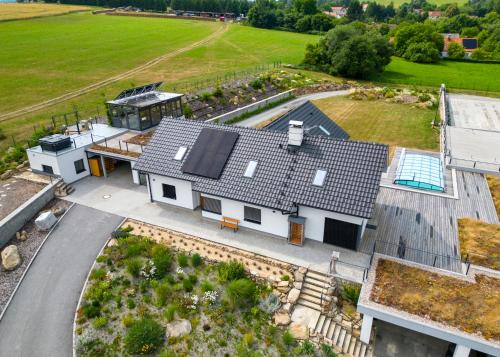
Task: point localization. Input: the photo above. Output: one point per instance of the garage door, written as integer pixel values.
(340, 233)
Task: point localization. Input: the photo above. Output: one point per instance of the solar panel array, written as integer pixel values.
(139, 90)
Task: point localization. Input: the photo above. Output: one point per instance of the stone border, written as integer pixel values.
(31, 261)
(250, 107)
(15, 220)
(419, 323)
(73, 342)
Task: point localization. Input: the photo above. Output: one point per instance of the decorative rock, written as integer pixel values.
(282, 284)
(19, 167)
(302, 270)
(330, 291)
(58, 211)
(178, 328)
(10, 258)
(113, 242)
(277, 293)
(7, 174)
(299, 331)
(283, 299)
(281, 318)
(298, 277)
(338, 319)
(297, 285)
(287, 307)
(22, 236)
(45, 221)
(293, 296)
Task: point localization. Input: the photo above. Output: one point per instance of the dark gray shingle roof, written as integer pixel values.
(315, 122)
(282, 178)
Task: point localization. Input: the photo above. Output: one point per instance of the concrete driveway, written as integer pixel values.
(39, 319)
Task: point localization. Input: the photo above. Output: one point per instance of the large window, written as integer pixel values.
(155, 115)
(79, 166)
(252, 215)
(47, 169)
(211, 205)
(169, 191)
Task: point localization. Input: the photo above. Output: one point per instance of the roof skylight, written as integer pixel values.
(250, 170)
(324, 130)
(180, 153)
(319, 178)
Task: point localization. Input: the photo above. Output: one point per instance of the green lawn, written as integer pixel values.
(46, 57)
(117, 44)
(456, 75)
(379, 121)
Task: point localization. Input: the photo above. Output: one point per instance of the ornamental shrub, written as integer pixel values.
(207, 286)
(100, 322)
(187, 285)
(169, 313)
(162, 260)
(91, 310)
(350, 292)
(196, 260)
(162, 292)
(182, 260)
(230, 271)
(134, 266)
(144, 336)
(241, 292)
(288, 338)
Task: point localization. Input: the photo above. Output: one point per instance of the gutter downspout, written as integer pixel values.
(149, 189)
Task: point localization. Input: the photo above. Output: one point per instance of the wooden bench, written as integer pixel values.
(229, 223)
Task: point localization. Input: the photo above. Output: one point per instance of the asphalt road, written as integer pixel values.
(285, 107)
(39, 319)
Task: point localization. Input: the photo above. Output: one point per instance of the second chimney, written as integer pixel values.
(295, 132)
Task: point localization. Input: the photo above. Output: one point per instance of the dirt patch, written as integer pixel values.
(141, 139)
(494, 183)
(480, 242)
(471, 307)
(27, 249)
(14, 192)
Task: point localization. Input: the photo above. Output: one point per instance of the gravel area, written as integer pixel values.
(27, 249)
(14, 192)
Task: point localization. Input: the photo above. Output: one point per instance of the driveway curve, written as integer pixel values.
(287, 106)
(39, 319)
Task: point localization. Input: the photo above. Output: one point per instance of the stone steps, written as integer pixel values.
(63, 189)
(313, 290)
(341, 338)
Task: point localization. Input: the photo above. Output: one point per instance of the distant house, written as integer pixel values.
(434, 15)
(337, 11)
(468, 43)
(365, 6)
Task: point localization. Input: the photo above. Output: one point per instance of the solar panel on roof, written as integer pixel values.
(469, 43)
(210, 153)
(139, 90)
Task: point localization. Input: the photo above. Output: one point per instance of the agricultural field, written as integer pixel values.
(456, 75)
(123, 43)
(394, 124)
(15, 11)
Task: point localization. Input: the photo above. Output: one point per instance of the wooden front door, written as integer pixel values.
(296, 233)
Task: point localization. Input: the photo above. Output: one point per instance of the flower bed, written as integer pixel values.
(146, 298)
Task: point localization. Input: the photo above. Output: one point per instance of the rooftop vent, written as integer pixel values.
(319, 178)
(250, 170)
(55, 142)
(180, 153)
(295, 132)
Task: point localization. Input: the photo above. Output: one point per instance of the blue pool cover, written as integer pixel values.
(420, 171)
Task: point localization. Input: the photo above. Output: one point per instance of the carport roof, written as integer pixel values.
(283, 177)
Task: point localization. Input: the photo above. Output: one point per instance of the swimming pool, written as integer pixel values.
(420, 171)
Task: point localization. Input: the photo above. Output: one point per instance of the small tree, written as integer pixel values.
(456, 51)
(424, 52)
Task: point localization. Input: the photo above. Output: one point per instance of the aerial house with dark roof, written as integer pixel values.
(143, 107)
(287, 184)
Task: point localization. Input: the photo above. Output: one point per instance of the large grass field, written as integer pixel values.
(379, 121)
(72, 58)
(456, 75)
(16, 11)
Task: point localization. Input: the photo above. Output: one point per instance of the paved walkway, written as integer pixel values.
(285, 107)
(39, 319)
(119, 195)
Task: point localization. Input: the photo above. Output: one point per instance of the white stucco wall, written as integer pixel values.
(272, 221)
(183, 190)
(62, 164)
(315, 221)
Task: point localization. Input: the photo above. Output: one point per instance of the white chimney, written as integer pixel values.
(295, 132)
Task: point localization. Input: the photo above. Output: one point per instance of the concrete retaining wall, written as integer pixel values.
(22, 214)
(221, 119)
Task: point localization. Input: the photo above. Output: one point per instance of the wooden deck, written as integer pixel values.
(423, 227)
